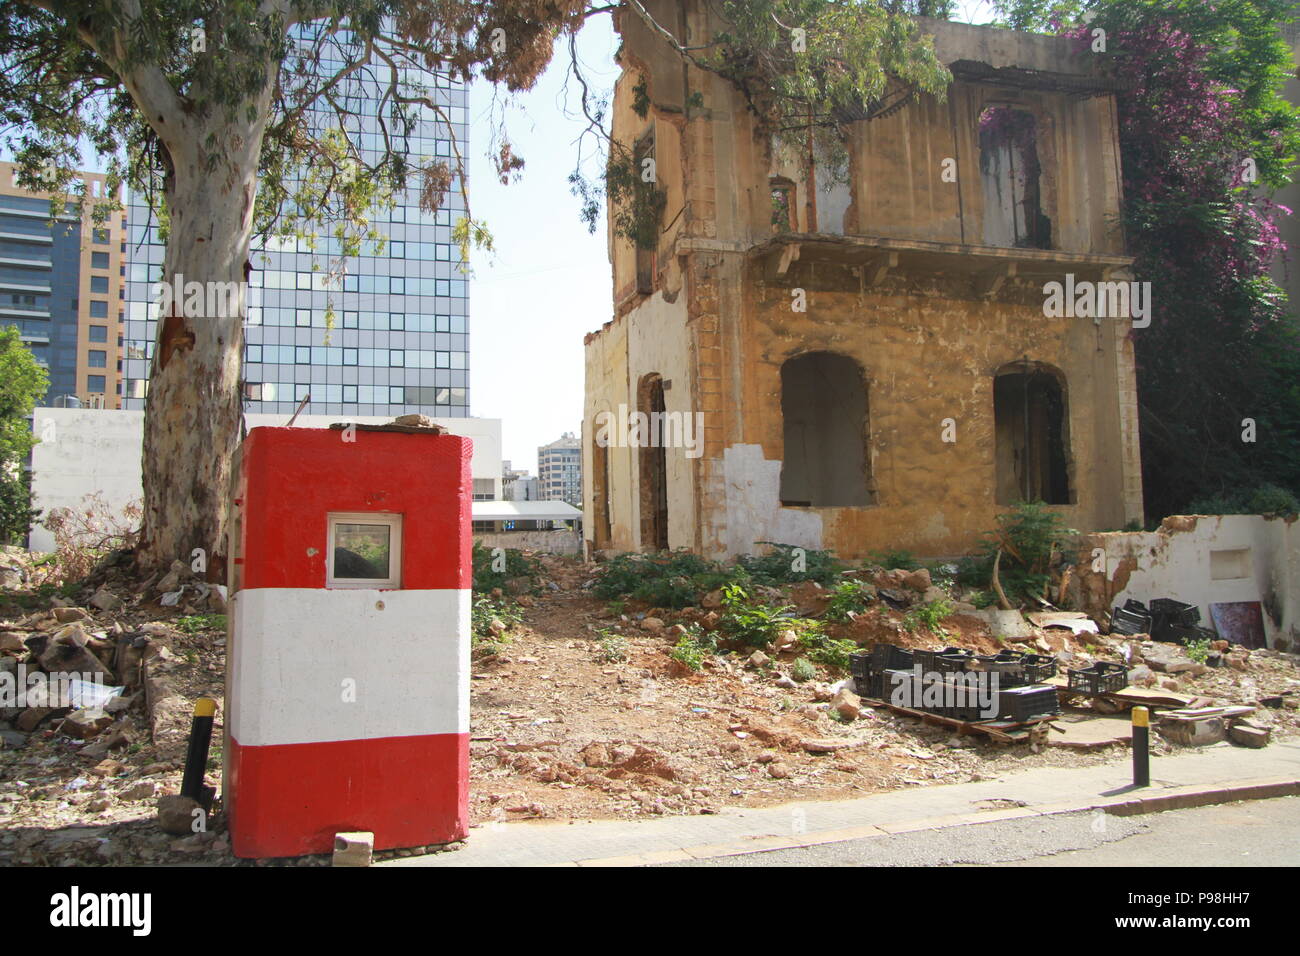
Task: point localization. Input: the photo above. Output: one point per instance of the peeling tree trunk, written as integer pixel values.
(194, 406)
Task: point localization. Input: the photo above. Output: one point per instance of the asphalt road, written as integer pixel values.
(1251, 833)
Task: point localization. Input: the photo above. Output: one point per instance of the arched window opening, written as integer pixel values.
(824, 411)
(1031, 423)
(654, 469)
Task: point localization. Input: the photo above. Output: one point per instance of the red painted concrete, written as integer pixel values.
(290, 800)
(292, 478)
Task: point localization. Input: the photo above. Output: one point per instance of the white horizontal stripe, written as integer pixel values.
(296, 652)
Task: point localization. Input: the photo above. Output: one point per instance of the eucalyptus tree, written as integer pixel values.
(235, 119)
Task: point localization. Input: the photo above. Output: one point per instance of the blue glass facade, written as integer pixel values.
(40, 268)
(399, 340)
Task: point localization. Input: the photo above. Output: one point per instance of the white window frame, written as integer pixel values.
(394, 524)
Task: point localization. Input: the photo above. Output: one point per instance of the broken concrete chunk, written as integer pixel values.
(144, 790)
(176, 814)
(1141, 676)
(85, 724)
(1194, 733)
(355, 849)
(847, 704)
(414, 421)
(1008, 625)
(30, 718)
(918, 580)
(69, 615)
(105, 600)
(1247, 734)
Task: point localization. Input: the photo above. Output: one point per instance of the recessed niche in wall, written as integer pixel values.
(1230, 565)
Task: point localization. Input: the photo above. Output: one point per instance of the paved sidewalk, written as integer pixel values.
(1190, 779)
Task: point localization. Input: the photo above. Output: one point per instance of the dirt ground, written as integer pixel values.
(581, 714)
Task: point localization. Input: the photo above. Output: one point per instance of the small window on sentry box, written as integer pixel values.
(365, 551)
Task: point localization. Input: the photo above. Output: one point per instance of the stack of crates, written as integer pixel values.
(1024, 703)
(1176, 623)
(1008, 665)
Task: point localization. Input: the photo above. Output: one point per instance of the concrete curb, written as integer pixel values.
(1121, 805)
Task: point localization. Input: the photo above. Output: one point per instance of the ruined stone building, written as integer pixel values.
(924, 389)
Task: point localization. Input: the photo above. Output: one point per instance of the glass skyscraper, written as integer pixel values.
(400, 336)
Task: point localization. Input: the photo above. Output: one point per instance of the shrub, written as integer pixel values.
(86, 534)
(613, 647)
(483, 611)
(672, 579)
(193, 623)
(693, 647)
(802, 670)
(826, 650)
(928, 616)
(788, 564)
(849, 597)
(752, 624)
(1027, 535)
(517, 565)
(1261, 500)
(895, 559)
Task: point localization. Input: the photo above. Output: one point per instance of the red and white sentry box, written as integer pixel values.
(347, 694)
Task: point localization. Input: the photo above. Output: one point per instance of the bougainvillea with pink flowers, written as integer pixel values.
(1205, 137)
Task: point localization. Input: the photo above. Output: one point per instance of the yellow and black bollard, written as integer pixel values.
(1141, 747)
(196, 758)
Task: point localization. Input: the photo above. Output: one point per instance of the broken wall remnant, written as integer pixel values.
(1185, 560)
(874, 366)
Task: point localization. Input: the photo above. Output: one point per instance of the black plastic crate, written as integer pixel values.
(860, 665)
(891, 679)
(866, 677)
(1127, 621)
(969, 709)
(1008, 665)
(1170, 633)
(1101, 678)
(888, 657)
(1039, 667)
(926, 658)
(951, 663)
(1176, 612)
(1024, 703)
(870, 686)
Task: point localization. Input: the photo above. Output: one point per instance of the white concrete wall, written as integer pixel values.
(557, 541)
(84, 451)
(1221, 559)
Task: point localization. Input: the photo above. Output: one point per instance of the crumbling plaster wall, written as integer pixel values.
(927, 358)
(897, 188)
(651, 340)
(1179, 561)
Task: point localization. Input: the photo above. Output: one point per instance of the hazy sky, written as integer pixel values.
(548, 282)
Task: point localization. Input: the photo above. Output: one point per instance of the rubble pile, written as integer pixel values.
(95, 717)
(579, 712)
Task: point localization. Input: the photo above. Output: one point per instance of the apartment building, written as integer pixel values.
(559, 470)
(61, 285)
